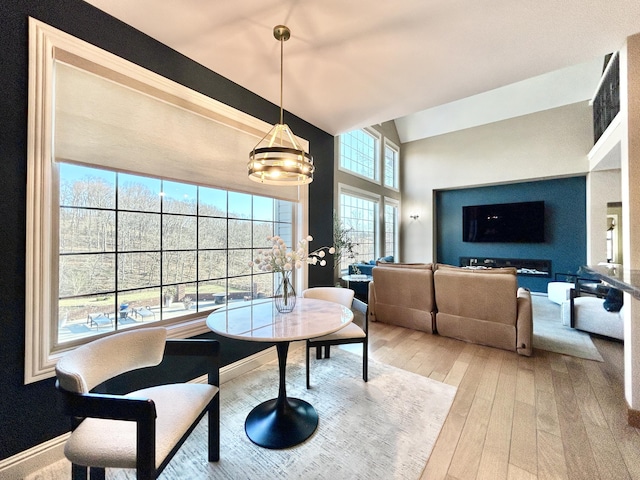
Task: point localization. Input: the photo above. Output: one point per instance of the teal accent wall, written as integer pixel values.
(565, 225)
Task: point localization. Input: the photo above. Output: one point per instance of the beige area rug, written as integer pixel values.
(550, 334)
(383, 429)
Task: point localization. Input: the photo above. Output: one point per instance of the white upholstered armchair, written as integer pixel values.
(142, 429)
(587, 313)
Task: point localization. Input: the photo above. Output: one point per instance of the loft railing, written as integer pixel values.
(606, 102)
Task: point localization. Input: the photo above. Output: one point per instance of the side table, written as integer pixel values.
(359, 284)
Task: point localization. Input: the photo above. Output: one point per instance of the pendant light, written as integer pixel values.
(278, 159)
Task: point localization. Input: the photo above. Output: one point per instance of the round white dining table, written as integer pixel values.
(284, 421)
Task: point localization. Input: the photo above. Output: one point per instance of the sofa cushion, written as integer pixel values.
(403, 295)
(482, 295)
(483, 332)
(425, 266)
(589, 316)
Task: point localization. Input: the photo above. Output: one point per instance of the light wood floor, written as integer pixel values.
(549, 416)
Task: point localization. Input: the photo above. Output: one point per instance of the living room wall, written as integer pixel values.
(544, 145)
(28, 412)
(565, 225)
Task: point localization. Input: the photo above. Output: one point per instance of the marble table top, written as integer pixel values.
(617, 276)
(260, 321)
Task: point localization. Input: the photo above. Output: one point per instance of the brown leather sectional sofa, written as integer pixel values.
(478, 306)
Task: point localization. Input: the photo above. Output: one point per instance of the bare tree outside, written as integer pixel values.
(137, 249)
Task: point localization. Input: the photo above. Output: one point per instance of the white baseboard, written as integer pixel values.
(29, 461)
(24, 463)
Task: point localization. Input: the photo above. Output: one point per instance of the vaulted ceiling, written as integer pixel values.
(354, 63)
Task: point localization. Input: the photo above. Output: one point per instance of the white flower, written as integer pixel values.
(279, 259)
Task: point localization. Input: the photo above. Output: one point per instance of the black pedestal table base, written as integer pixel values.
(281, 422)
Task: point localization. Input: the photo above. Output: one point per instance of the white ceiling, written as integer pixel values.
(355, 63)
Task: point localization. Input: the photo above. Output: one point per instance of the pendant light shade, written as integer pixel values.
(278, 159)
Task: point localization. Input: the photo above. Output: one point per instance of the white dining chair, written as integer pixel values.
(351, 333)
(143, 429)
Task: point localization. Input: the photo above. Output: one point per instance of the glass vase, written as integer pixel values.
(285, 297)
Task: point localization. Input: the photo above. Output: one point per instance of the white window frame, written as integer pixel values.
(45, 45)
(396, 165)
(369, 196)
(396, 237)
(377, 162)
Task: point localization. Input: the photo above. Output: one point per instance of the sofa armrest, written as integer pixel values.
(371, 306)
(524, 323)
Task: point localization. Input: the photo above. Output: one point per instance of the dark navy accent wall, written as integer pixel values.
(565, 225)
(28, 413)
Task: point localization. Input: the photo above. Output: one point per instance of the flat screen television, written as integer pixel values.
(521, 222)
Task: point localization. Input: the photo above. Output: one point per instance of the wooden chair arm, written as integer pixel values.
(202, 347)
(192, 346)
(101, 405)
(365, 323)
(142, 411)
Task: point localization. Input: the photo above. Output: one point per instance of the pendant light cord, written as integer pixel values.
(281, 78)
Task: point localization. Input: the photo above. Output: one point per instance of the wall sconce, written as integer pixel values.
(414, 216)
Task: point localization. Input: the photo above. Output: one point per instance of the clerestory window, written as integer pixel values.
(391, 227)
(359, 153)
(369, 210)
(391, 164)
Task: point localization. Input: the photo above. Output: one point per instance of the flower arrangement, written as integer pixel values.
(280, 259)
(344, 244)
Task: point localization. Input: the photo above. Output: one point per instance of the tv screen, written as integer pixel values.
(521, 222)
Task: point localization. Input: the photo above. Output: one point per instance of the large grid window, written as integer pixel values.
(135, 250)
(359, 153)
(126, 248)
(391, 226)
(359, 215)
(373, 226)
(391, 165)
